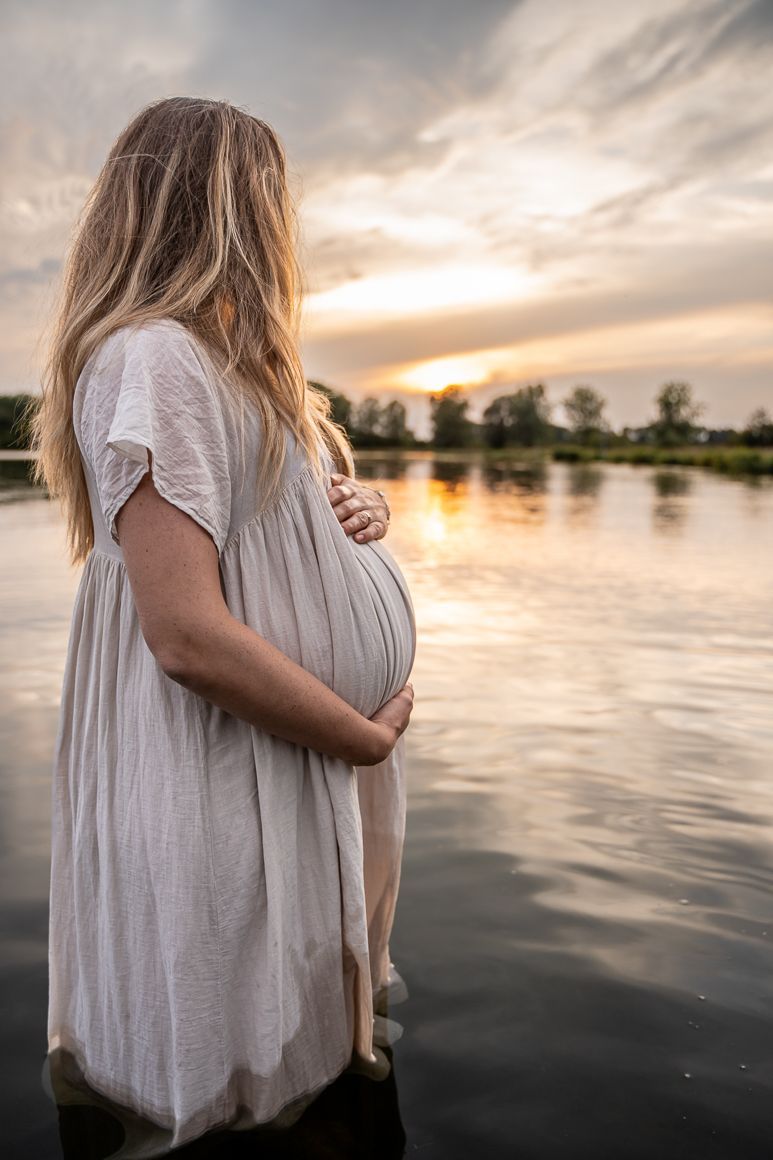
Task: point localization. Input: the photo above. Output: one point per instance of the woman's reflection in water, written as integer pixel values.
(355, 1118)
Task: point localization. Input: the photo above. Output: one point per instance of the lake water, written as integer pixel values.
(585, 921)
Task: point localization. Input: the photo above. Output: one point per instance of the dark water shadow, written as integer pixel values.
(354, 1118)
(525, 1039)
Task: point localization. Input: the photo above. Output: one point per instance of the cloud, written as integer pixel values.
(611, 160)
(350, 83)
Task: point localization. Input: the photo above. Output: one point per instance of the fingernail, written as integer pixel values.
(359, 536)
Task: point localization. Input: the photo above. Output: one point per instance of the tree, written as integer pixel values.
(758, 431)
(370, 424)
(394, 427)
(529, 415)
(678, 413)
(448, 413)
(584, 409)
(523, 417)
(340, 406)
(366, 421)
(496, 422)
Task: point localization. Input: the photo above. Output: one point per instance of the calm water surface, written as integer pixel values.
(585, 921)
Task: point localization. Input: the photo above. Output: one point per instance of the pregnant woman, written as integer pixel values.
(229, 795)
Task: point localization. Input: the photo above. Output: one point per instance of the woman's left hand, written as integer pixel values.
(362, 511)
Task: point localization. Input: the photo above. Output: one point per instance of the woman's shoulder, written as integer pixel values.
(154, 355)
(142, 338)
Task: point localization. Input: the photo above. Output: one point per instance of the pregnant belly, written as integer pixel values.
(351, 624)
(339, 609)
(385, 637)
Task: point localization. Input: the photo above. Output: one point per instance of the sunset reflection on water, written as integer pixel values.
(585, 912)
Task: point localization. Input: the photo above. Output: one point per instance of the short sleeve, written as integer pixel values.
(148, 390)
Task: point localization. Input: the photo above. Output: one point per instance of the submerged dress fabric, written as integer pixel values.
(221, 899)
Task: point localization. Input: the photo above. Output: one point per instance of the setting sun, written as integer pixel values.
(438, 373)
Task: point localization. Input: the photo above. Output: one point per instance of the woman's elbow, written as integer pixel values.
(173, 648)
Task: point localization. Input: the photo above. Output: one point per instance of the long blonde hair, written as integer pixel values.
(191, 219)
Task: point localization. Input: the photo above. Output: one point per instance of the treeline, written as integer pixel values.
(370, 423)
(521, 418)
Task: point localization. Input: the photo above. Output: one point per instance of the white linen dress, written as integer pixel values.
(221, 900)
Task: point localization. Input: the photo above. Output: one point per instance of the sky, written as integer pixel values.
(491, 192)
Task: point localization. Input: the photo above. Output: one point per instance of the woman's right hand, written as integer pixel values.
(389, 722)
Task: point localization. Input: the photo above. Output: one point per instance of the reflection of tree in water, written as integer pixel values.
(17, 471)
(756, 494)
(525, 483)
(354, 1116)
(585, 480)
(668, 483)
(526, 479)
(381, 467)
(583, 484)
(450, 471)
(671, 488)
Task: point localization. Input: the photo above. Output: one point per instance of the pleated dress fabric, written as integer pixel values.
(221, 900)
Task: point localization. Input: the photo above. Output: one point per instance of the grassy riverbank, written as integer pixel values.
(731, 460)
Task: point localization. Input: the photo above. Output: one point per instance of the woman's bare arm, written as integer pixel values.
(172, 565)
